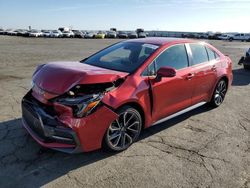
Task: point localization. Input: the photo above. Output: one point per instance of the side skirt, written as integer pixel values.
(180, 112)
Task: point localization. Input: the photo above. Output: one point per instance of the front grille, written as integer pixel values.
(33, 121)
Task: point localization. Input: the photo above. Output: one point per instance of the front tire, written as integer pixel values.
(123, 131)
(219, 93)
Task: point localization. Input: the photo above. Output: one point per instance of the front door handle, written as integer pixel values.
(190, 76)
(213, 68)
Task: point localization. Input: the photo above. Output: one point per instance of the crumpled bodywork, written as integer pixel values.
(65, 75)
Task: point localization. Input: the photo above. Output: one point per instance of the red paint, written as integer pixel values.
(189, 86)
(65, 75)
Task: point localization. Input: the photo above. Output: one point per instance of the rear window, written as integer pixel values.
(211, 54)
(199, 53)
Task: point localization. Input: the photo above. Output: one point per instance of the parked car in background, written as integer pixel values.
(56, 33)
(100, 35)
(202, 36)
(68, 34)
(46, 33)
(26, 33)
(111, 34)
(122, 34)
(21, 32)
(1, 31)
(78, 34)
(13, 32)
(107, 99)
(89, 35)
(6, 31)
(139, 30)
(35, 33)
(132, 35)
(62, 29)
(240, 36)
(113, 29)
(225, 36)
(83, 32)
(142, 35)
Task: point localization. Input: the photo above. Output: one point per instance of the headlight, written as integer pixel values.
(81, 105)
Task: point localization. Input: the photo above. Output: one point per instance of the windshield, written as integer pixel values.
(124, 56)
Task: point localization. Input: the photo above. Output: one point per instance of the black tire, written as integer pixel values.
(247, 67)
(231, 39)
(219, 93)
(119, 132)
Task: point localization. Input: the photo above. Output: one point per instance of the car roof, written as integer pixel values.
(160, 40)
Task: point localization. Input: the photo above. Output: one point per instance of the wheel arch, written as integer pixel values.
(223, 77)
(138, 107)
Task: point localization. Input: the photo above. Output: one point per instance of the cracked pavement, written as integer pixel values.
(202, 148)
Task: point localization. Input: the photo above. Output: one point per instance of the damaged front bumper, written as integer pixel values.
(63, 132)
(46, 129)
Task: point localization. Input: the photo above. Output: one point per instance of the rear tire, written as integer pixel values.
(123, 131)
(219, 93)
(247, 67)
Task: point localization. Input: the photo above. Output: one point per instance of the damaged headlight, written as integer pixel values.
(81, 105)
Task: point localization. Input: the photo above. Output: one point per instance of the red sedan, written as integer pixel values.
(106, 99)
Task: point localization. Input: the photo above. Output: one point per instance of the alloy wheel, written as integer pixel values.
(220, 92)
(124, 130)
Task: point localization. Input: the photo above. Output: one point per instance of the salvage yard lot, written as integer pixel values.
(202, 148)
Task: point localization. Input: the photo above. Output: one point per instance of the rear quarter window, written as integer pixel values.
(211, 54)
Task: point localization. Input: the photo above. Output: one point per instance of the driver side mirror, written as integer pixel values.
(167, 72)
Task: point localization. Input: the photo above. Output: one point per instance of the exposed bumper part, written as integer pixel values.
(48, 131)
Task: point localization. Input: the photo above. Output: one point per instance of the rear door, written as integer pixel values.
(204, 68)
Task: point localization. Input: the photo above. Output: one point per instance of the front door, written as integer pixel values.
(172, 94)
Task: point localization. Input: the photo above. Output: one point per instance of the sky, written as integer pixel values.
(169, 15)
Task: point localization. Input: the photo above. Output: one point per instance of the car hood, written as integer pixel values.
(59, 77)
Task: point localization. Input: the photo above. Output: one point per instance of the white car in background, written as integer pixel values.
(225, 36)
(89, 35)
(46, 33)
(35, 33)
(68, 34)
(56, 33)
(240, 36)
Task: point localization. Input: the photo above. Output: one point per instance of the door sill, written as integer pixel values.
(180, 112)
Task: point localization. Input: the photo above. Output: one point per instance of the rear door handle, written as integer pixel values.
(190, 76)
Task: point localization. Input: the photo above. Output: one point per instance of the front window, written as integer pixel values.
(175, 57)
(124, 56)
